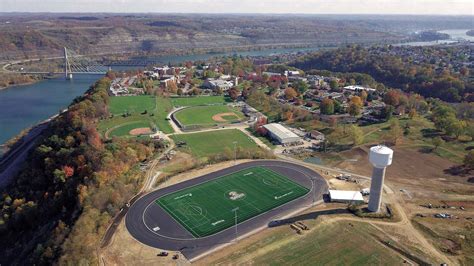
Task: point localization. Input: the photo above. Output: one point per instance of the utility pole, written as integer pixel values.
(235, 152)
(235, 215)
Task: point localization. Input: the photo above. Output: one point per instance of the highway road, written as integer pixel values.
(12, 161)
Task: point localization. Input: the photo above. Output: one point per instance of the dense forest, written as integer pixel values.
(60, 204)
(439, 72)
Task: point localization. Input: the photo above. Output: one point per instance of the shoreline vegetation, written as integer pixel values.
(8, 80)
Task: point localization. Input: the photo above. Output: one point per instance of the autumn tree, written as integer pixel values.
(357, 135)
(355, 106)
(392, 98)
(233, 93)
(395, 133)
(327, 106)
(333, 84)
(412, 114)
(437, 141)
(290, 93)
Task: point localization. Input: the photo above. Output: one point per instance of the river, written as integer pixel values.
(25, 105)
(455, 36)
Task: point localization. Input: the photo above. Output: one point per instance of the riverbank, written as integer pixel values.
(10, 80)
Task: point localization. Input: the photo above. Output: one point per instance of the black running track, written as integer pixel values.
(145, 216)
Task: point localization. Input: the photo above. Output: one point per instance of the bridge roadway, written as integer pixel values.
(57, 73)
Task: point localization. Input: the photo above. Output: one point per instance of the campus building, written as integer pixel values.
(281, 134)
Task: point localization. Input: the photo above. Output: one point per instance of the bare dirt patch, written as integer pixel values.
(140, 131)
(224, 117)
(410, 168)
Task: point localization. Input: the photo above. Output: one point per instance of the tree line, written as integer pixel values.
(436, 72)
(74, 182)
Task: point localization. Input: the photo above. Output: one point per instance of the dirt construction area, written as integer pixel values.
(416, 180)
(224, 117)
(140, 131)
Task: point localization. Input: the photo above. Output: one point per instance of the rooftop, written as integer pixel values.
(280, 131)
(345, 195)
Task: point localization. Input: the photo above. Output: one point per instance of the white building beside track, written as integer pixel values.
(346, 196)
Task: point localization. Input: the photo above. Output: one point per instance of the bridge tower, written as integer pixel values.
(67, 66)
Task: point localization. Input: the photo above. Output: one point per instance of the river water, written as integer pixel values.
(25, 105)
(455, 36)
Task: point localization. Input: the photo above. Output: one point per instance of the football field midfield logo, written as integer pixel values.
(235, 195)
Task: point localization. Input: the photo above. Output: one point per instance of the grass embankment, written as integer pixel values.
(199, 100)
(142, 111)
(202, 115)
(339, 243)
(211, 143)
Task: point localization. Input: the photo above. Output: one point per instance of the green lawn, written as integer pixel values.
(204, 144)
(157, 111)
(336, 243)
(207, 208)
(163, 107)
(123, 130)
(133, 104)
(199, 100)
(202, 115)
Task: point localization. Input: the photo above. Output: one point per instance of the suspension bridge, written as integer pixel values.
(73, 64)
(77, 64)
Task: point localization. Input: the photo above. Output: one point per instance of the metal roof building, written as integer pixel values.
(346, 196)
(281, 134)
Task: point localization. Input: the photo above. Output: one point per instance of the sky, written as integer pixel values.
(424, 7)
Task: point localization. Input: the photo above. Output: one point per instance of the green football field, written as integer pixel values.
(208, 208)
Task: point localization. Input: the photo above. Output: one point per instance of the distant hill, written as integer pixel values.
(41, 35)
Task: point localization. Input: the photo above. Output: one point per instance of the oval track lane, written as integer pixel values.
(150, 224)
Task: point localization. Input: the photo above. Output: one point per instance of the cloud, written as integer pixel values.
(443, 7)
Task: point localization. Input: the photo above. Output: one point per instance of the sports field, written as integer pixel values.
(208, 115)
(119, 124)
(199, 100)
(210, 207)
(205, 144)
(124, 130)
(132, 104)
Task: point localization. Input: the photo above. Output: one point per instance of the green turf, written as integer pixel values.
(199, 100)
(207, 208)
(202, 115)
(204, 144)
(123, 130)
(133, 104)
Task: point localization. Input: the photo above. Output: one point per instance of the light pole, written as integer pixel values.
(235, 152)
(235, 215)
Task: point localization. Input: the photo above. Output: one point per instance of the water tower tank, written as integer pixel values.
(380, 156)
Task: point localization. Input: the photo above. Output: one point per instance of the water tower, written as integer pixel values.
(380, 157)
